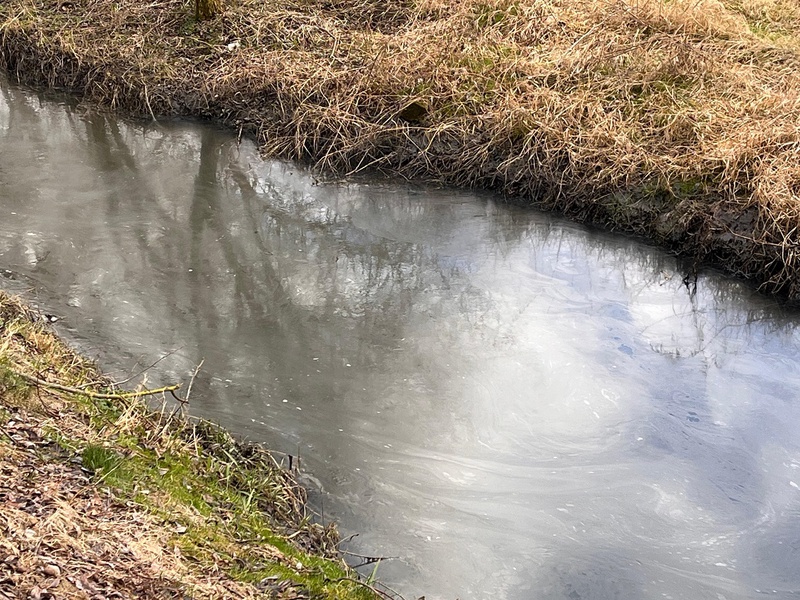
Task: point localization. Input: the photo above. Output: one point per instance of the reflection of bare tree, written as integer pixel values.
(19, 113)
(243, 251)
(366, 298)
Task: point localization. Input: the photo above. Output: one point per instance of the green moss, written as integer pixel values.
(100, 460)
(216, 508)
(221, 502)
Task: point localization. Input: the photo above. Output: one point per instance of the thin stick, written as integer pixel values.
(184, 402)
(135, 375)
(147, 101)
(369, 559)
(191, 381)
(74, 390)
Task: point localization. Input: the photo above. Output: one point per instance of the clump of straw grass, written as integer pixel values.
(674, 120)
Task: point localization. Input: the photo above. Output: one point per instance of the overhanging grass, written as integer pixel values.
(673, 119)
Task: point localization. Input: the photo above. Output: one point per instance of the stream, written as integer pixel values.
(513, 405)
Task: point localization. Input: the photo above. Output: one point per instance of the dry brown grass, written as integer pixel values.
(676, 120)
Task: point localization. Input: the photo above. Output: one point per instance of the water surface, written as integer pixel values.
(515, 406)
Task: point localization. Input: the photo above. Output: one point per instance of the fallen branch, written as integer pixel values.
(100, 395)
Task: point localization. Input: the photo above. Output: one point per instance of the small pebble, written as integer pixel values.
(51, 570)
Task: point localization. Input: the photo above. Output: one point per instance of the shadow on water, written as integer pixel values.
(517, 406)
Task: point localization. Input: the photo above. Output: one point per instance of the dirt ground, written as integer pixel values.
(63, 537)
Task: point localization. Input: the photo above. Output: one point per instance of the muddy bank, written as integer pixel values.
(102, 497)
(675, 121)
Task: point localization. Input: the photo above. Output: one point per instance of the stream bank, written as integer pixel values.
(103, 497)
(513, 405)
(674, 121)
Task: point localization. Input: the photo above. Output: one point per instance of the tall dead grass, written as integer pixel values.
(674, 120)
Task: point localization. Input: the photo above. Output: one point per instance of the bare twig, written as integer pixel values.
(368, 559)
(100, 395)
(184, 402)
(147, 368)
(191, 381)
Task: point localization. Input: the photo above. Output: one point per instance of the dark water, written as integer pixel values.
(515, 406)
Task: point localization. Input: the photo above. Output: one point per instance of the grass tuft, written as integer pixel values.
(99, 460)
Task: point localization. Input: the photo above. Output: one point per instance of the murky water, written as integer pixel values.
(513, 405)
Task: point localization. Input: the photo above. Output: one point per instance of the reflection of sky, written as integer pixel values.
(517, 406)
